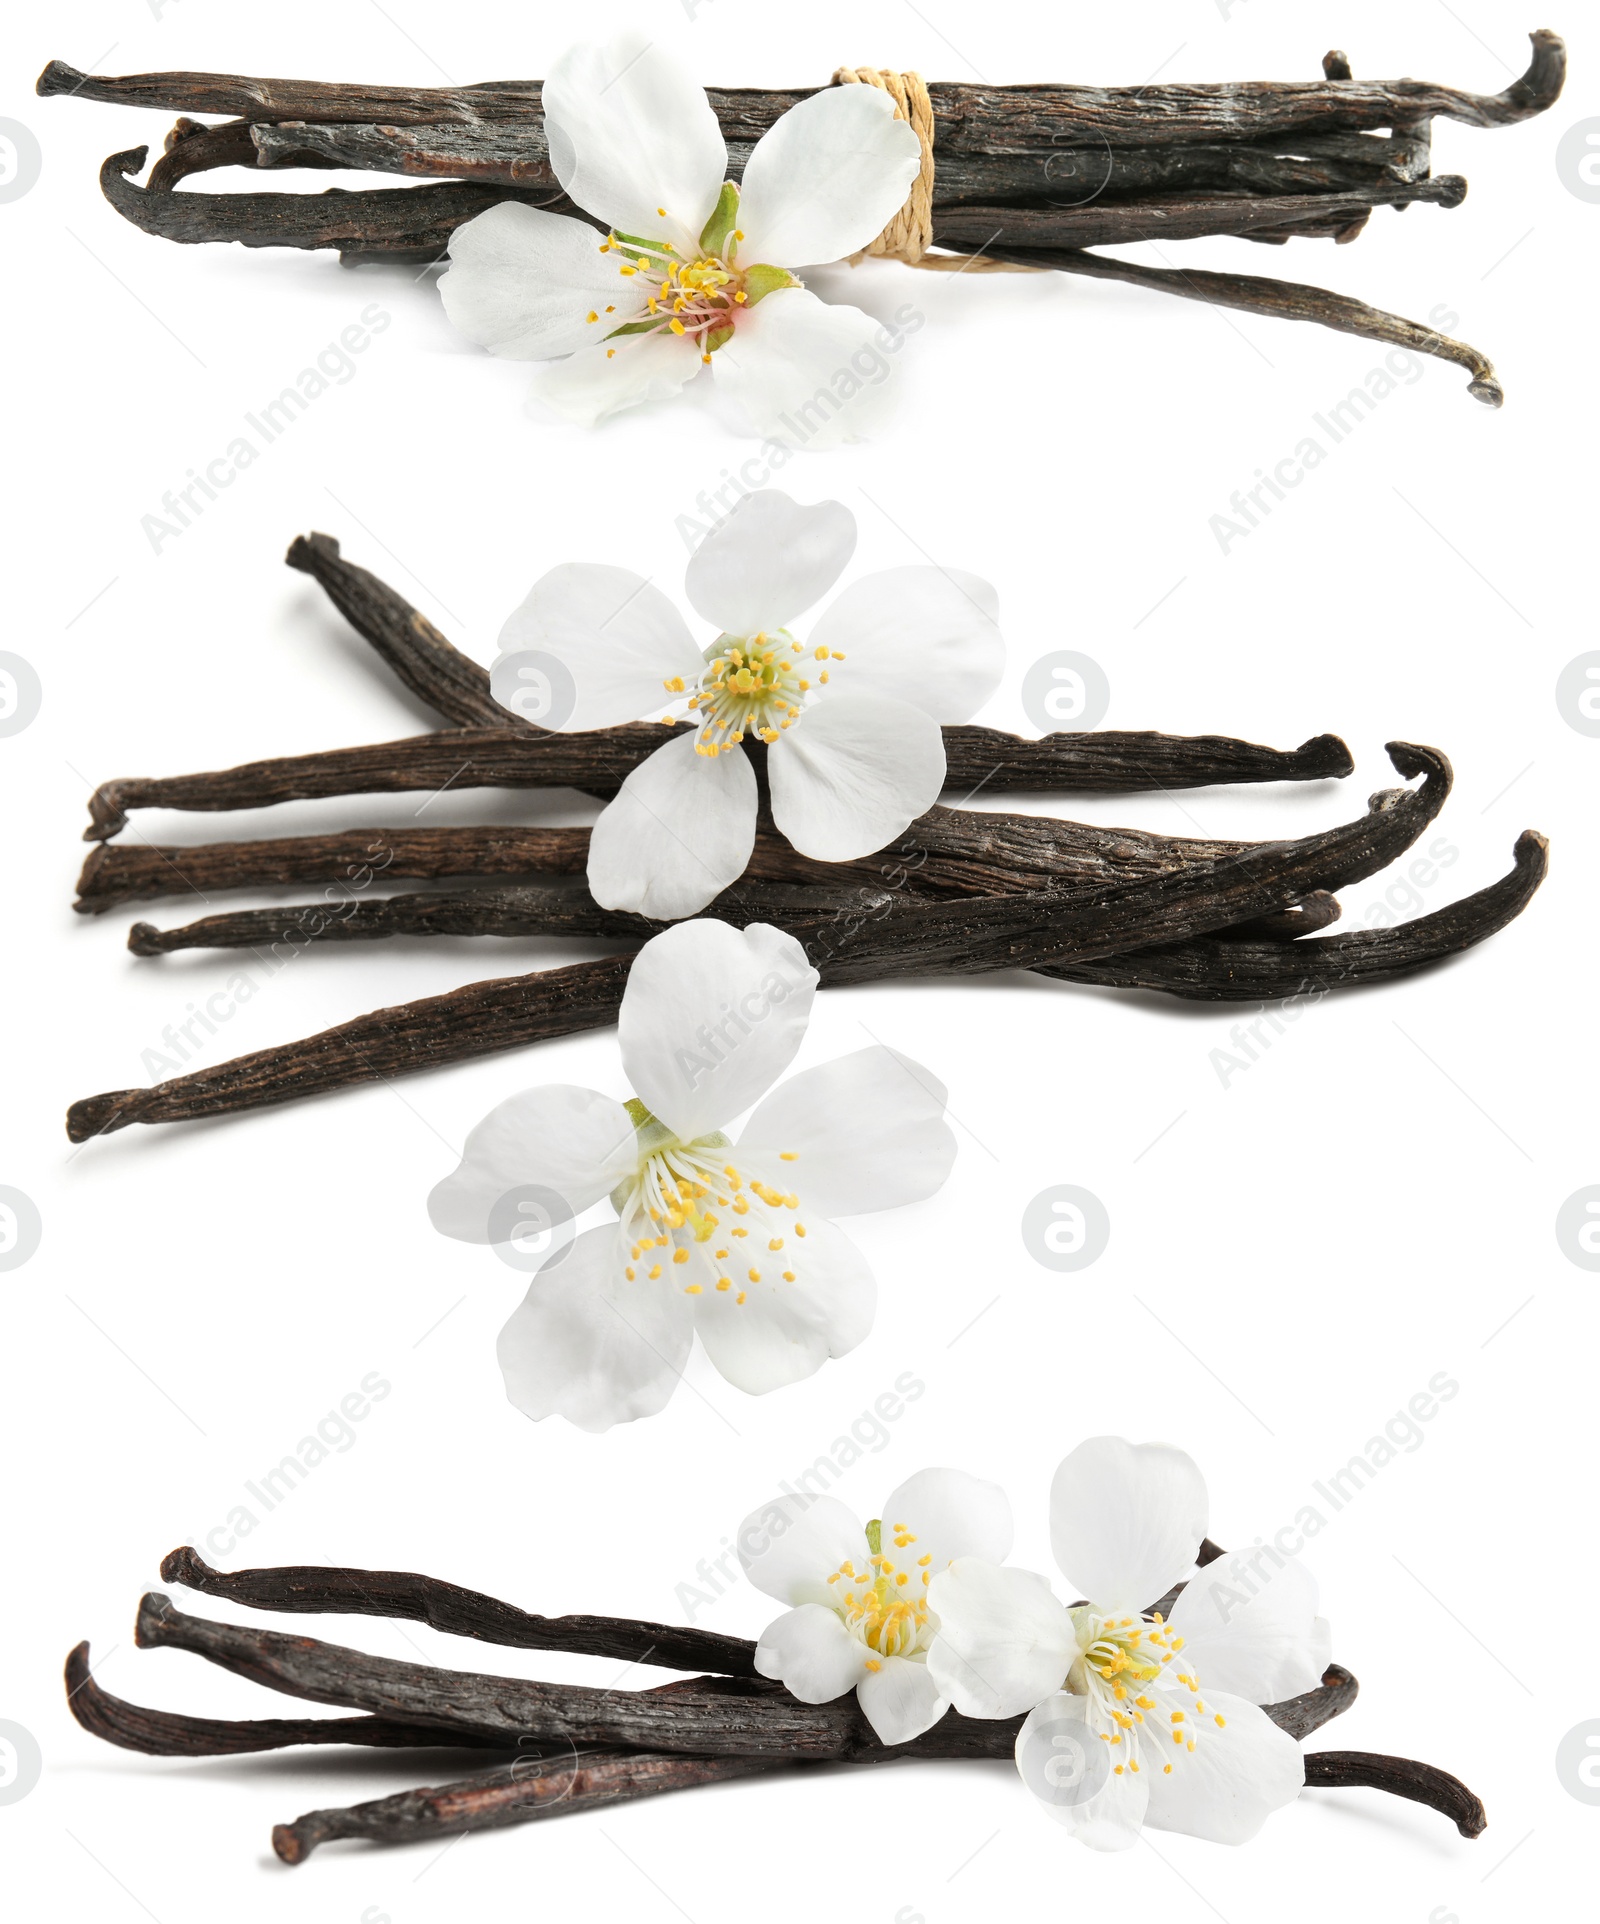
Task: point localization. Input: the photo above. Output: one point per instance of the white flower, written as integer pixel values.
(730, 1243)
(860, 1619)
(693, 270)
(850, 718)
(1136, 1719)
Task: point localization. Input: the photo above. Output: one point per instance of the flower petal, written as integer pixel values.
(900, 1700)
(1251, 1627)
(792, 1545)
(522, 280)
(588, 1345)
(826, 178)
(854, 773)
(711, 1017)
(811, 1654)
(806, 373)
(678, 832)
(1237, 1775)
(599, 381)
(948, 1514)
(1004, 1642)
(864, 1132)
(768, 560)
(784, 1332)
(1069, 1768)
(928, 636)
(575, 1143)
(618, 639)
(632, 134)
(1126, 1520)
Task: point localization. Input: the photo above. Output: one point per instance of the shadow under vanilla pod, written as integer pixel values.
(960, 893)
(998, 177)
(1121, 1713)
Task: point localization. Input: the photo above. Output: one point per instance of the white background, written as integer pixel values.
(1292, 1256)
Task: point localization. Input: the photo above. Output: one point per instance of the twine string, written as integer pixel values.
(909, 236)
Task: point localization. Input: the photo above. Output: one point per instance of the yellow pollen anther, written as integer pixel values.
(691, 1289)
(655, 1271)
(755, 1275)
(680, 1255)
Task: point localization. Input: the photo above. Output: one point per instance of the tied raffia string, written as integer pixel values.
(909, 235)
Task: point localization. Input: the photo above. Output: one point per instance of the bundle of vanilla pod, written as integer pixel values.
(1033, 176)
(962, 893)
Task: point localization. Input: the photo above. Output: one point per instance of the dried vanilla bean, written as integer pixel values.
(694, 1716)
(946, 851)
(914, 936)
(433, 668)
(1400, 1777)
(968, 118)
(1104, 761)
(1225, 969)
(162, 1733)
(759, 1718)
(1281, 300)
(513, 1794)
(317, 1589)
(516, 1793)
(117, 872)
(545, 909)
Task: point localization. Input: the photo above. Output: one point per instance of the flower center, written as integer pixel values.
(1123, 1660)
(698, 296)
(692, 1215)
(752, 685)
(885, 1605)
